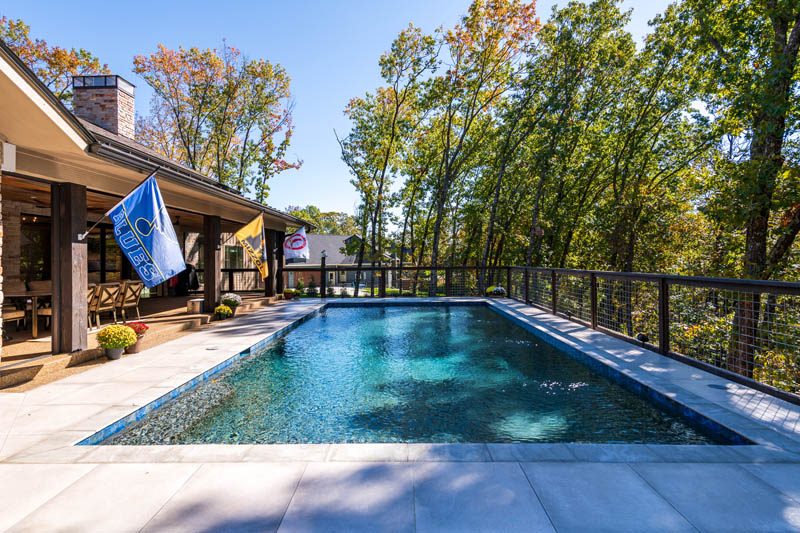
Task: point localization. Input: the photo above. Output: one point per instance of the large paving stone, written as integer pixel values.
(476, 497)
(720, 497)
(601, 497)
(231, 497)
(352, 497)
(23, 488)
(785, 478)
(110, 498)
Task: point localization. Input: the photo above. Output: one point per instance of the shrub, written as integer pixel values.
(312, 288)
(223, 310)
(140, 328)
(300, 285)
(231, 300)
(116, 336)
(330, 291)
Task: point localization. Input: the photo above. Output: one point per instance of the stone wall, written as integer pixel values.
(1, 257)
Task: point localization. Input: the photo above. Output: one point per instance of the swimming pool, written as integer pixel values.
(415, 374)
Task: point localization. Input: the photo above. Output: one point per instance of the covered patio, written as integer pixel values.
(60, 175)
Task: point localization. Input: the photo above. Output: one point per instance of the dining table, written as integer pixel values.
(34, 298)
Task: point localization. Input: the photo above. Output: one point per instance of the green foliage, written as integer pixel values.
(328, 223)
(312, 288)
(299, 285)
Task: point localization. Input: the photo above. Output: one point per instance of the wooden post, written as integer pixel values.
(230, 280)
(554, 290)
(323, 282)
(526, 296)
(448, 279)
(269, 283)
(70, 268)
(593, 298)
(279, 237)
(212, 262)
(382, 291)
(508, 282)
(663, 316)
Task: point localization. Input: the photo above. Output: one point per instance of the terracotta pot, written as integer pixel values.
(114, 353)
(135, 347)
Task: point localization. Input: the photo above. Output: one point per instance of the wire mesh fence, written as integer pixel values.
(629, 307)
(574, 296)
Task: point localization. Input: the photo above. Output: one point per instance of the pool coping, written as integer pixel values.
(774, 425)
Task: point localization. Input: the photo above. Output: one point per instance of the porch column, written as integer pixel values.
(70, 268)
(279, 236)
(212, 262)
(269, 283)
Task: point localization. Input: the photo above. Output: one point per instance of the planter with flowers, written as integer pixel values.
(231, 300)
(496, 292)
(222, 312)
(115, 339)
(140, 328)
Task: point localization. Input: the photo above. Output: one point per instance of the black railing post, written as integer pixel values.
(230, 280)
(323, 282)
(508, 282)
(448, 277)
(554, 290)
(593, 298)
(382, 291)
(527, 284)
(663, 316)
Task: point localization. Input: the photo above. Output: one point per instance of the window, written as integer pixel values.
(234, 257)
(332, 277)
(343, 276)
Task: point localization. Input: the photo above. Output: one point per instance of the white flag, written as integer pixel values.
(295, 246)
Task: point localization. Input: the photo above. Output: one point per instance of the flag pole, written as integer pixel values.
(82, 236)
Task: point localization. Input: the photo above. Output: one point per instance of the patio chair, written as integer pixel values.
(12, 314)
(106, 300)
(91, 295)
(129, 296)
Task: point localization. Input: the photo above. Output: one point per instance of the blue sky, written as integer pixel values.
(330, 49)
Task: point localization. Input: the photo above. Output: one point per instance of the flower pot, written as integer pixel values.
(233, 309)
(220, 316)
(114, 353)
(134, 348)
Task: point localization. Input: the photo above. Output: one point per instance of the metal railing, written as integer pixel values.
(745, 330)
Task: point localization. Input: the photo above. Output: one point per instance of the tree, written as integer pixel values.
(53, 65)
(219, 113)
(327, 223)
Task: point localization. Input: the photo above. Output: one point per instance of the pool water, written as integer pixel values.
(410, 374)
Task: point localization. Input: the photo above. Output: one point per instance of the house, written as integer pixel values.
(336, 248)
(62, 170)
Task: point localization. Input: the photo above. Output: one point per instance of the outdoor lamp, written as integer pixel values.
(324, 254)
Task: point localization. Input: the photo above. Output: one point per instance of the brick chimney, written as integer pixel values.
(105, 101)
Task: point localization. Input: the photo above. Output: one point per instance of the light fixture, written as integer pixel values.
(324, 254)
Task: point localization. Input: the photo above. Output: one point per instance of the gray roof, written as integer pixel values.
(333, 245)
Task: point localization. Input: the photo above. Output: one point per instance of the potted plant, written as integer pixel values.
(222, 312)
(140, 328)
(231, 300)
(115, 339)
(312, 288)
(288, 294)
(496, 292)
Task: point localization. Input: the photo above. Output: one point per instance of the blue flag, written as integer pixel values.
(145, 234)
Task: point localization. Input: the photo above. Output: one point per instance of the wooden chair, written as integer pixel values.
(106, 300)
(129, 297)
(12, 314)
(91, 295)
(10, 305)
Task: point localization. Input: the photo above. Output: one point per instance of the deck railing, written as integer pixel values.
(745, 330)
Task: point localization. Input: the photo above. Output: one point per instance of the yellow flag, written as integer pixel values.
(252, 239)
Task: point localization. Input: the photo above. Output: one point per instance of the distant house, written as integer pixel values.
(335, 247)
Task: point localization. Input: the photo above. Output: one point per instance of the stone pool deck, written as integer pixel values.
(48, 483)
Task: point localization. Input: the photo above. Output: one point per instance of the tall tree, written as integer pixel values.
(53, 65)
(220, 114)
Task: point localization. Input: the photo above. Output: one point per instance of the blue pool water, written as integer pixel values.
(411, 374)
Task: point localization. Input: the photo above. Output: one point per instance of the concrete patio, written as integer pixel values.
(48, 483)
